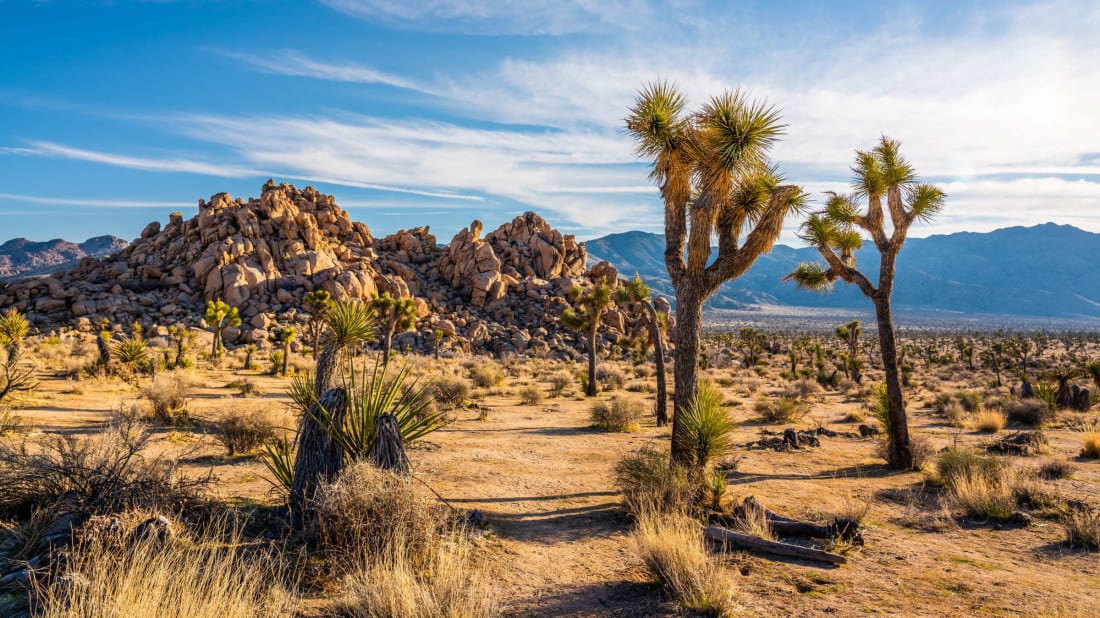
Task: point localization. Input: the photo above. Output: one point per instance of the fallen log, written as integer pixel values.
(839, 528)
(724, 535)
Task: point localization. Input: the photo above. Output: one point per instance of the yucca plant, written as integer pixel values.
(349, 324)
(371, 395)
(278, 457)
(706, 431)
(880, 405)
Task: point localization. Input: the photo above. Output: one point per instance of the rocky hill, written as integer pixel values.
(1046, 270)
(501, 293)
(20, 256)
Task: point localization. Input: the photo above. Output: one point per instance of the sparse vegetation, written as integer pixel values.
(168, 394)
(243, 428)
(531, 395)
(617, 414)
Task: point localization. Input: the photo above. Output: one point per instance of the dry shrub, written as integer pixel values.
(530, 395)
(617, 414)
(1090, 445)
(804, 388)
(989, 421)
(754, 522)
(168, 394)
(969, 400)
(982, 486)
(781, 411)
(673, 548)
(1082, 528)
(643, 371)
(151, 578)
(1053, 470)
(846, 387)
(559, 382)
(243, 428)
(649, 484)
(9, 421)
(487, 374)
(954, 412)
(449, 393)
(610, 377)
(1031, 412)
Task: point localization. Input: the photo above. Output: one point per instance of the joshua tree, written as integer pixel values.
(965, 347)
(437, 340)
(287, 336)
(751, 343)
(880, 173)
(993, 357)
(849, 333)
(317, 304)
(715, 178)
(591, 304)
(13, 375)
(182, 337)
(220, 316)
(636, 294)
(394, 314)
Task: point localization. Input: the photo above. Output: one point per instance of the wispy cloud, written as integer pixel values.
(92, 202)
(149, 164)
(290, 62)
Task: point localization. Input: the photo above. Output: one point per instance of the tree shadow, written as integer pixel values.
(553, 525)
(844, 472)
(621, 599)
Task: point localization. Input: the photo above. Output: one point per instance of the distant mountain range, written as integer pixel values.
(21, 257)
(1047, 270)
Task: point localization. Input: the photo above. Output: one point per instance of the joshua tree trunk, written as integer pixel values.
(689, 319)
(899, 453)
(217, 343)
(286, 357)
(590, 390)
(319, 458)
(387, 342)
(659, 359)
(327, 362)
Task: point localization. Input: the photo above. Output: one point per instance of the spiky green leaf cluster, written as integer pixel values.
(350, 323)
(706, 428)
(401, 312)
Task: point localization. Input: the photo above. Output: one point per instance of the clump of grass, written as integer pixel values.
(168, 394)
(244, 428)
(804, 388)
(989, 421)
(449, 393)
(530, 395)
(982, 486)
(1032, 412)
(781, 411)
(487, 375)
(610, 377)
(1090, 445)
(1053, 470)
(617, 414)
(649, 484)
(1082, 528)
(672, 546)
(559, 382)
(706, 431)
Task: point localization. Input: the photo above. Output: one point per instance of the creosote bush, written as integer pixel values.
(650, 485)
(243, 428)
(610, 377)
(530, 395)
(617, 414)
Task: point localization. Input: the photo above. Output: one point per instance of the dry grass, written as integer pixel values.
(203, 578)
(531, 395)
(650, 485)
(1082, 528)
(244, 427)
(559, 382)
(1090, 445)
(781, 411)
(168, 394)
(673, 548)
(487, 374)
(989, 421)
(618, 414)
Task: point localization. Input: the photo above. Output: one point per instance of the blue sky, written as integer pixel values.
(113, 114)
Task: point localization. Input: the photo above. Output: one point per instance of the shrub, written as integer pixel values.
(617, 414)
(969, 400)
(649, 484)
(1091, 445)
(954, 412)
(559, 382)
(610, 377)
(673, 549)
(244, 428)
(706, 431)
(168, 394)
(989, 421)
(487, 375)
(804, 388)
(1031, 412)
(1052, 470)
(982, 486)
(9, 421)
(1082, 528)
(198, 578)
(449, 393)
(957, 463)
(782, 410)
(530, 395)
(642, 371)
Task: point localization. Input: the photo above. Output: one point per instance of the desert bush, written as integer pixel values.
(846, 387)
(487, 374)
(198, 578)
(957, 463)
(989, 421)
(1090, 448)
(244, 428)
(244, 388)
(803, 389)
(106, 472)
(617, 414)
(530, 395)
(1031, 412)
(673, 549)
(559, 382)
(781, 410)
(954, 413)
(649, 484)
(449, 393)
(969, 400)
(1052, 470)
(643, 371)
(1082, 528)
(168, 394)
(610, 377)
(982, 486)
(706, 430)
(9, 421)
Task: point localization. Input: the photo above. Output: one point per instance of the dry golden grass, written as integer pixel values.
(1082, 528)
(204, 578)
(1090, 445)
(989, 421)
(673, 548)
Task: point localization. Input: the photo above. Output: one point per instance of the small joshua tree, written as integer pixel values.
(880, 173)
(287, 336)
(636, 295)
(591, 306)
(220, 316)
(751, 343)
(14, 375)
(849, 333)
(393, 314)
(316, 303)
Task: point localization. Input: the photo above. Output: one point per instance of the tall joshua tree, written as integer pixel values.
(880, 174)
(219, 315)
(393, 314)
(636, 294)
(591, 304)
(316, 303)
(715, 178)
(849, 333)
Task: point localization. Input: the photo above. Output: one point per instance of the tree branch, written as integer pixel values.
(847, 273)
(760, 240)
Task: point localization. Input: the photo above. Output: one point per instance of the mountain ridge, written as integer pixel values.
(21, 257)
